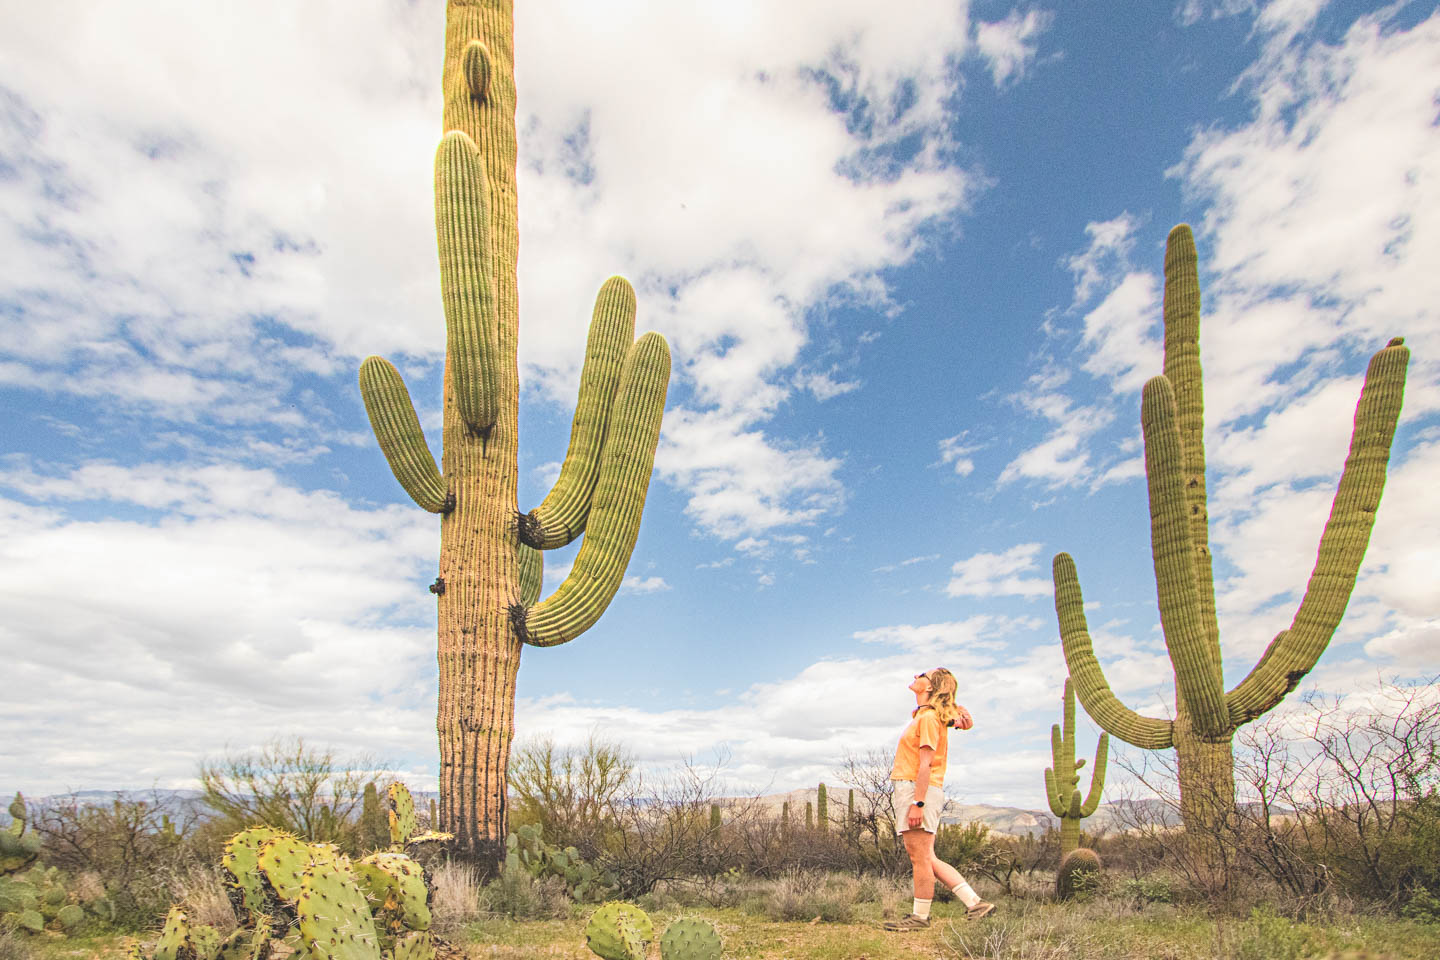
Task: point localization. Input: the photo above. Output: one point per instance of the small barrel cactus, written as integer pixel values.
(1079, 871)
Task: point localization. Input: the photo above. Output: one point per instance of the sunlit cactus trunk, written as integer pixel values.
(1206, 714)
(490, 569)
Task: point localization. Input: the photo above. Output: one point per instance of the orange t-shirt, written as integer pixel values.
(924, 731)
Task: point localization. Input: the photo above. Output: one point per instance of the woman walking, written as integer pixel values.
(918, 775)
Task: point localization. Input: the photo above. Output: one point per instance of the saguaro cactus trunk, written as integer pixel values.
(490, 570)
(1206, 714)
(1063, 779)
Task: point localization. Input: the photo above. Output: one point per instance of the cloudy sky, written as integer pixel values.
(907, 256)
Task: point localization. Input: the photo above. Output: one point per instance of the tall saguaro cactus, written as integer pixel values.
(1172, 418)
(1063, 779)
(490, 570)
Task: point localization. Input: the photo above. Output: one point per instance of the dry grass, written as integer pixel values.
(199, 891)
(456, 900)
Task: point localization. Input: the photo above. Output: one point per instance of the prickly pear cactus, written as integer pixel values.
(248, 943)
(334, 916)
(174, 940)
(396, 885)
(413, 946)
(285, 858)
(1078, 872)
(245, 881)
(402, 815)
(619, 931)
(18, 849)
(690, 938)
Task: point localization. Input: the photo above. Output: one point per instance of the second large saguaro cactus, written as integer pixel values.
(1062, 780)
(490, 571)
(1172, 418)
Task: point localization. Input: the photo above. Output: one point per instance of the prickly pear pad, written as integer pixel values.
(402, 814)
(242, 862)
(619, 931)
(284, 860)
(690, 938)
(397, 885)
(414, 946)
(335, 922)
(174, 937)
(247, 943)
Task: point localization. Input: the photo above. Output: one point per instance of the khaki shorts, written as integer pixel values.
(903, 799)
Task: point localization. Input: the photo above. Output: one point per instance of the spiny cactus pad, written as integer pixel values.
(174, 936)
(335, 922)
(402, 814)
(690, 938)
(397, 886)
(241, 861)
(619, 931)
(247, 943)
(413, 946)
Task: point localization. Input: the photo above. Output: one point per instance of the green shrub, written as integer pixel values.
(517, 894)
(1423, 906)
(1269, 936)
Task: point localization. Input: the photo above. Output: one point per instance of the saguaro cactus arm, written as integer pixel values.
(392, 417)
(1294, 652)
(462, 229)
(1097, 776)
(1085, 670)
(561, 516)
(1197, 673)
(614, 524)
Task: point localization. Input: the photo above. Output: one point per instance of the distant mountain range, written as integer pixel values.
(1012, 821)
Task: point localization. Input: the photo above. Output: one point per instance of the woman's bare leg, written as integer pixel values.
(921, 847)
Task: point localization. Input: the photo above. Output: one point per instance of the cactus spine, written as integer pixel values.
(1172, 418)
(1062, 780)
(489, 576)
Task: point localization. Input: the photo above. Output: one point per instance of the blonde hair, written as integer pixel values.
(942, 695)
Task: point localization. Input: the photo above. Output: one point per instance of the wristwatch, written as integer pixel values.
(918, 803)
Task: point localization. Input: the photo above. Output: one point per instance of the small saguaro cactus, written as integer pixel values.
(490, 571)
(1062, 780)
(1206, 714)
(822, 809)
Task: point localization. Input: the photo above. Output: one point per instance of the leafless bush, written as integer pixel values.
(1336, 797)
(199, 889)
(871, 834)
(292, 786)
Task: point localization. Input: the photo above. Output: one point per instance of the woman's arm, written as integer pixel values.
(915, 815)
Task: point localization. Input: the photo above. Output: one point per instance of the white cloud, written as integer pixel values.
(215, 618)
(1107, 256)
(953, 450)
(643, 585)
(999, 574)
(1010, 45)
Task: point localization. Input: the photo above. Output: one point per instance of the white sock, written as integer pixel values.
(967, 896)
(922, 908)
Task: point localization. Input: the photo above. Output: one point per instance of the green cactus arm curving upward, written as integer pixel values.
(531, 573)
(1294, 652)
(1090, 686)
(1182, 368)
(397, 428)
(1197, 673)
(462, 230)
(1097, 776)
(614, 524)
(561, 516)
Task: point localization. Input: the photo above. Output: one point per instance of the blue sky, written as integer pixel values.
(908, 260)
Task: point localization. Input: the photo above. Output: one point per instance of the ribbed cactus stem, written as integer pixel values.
(392, 417)
(1295, 651)
(1100, 703)
(462, 228)
(619, 498)
(1197, 673)
(561, 516)
(1172, 417)
(476, 65)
